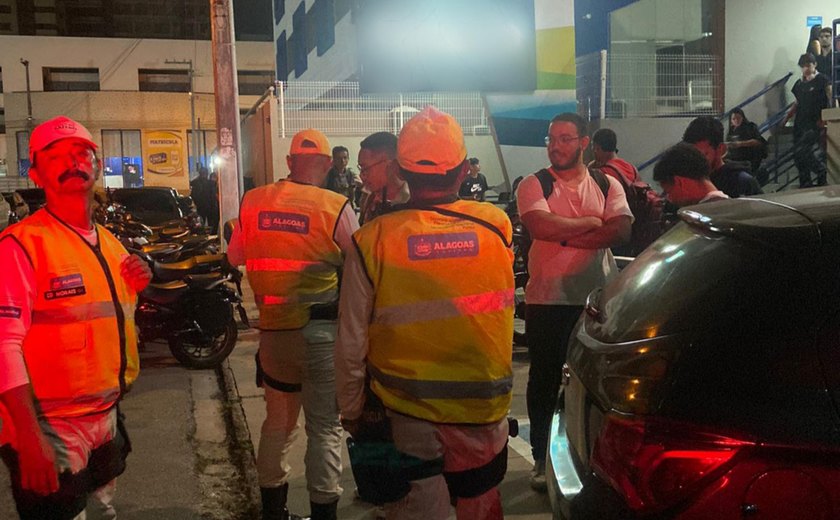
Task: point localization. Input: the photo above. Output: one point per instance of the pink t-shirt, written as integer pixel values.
(562, 275)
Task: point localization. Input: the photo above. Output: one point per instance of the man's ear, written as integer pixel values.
(33, 174)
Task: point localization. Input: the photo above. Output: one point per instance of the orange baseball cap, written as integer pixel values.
(55, 129)
(310, 142)
(431, 142)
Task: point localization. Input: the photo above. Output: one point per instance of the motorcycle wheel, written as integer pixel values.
(205, 353)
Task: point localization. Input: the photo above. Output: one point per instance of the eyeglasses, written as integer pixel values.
(563, 139)
(369, 166)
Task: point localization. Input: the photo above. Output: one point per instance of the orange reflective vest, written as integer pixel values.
(81, 349)
(440, 338)
(291, 255)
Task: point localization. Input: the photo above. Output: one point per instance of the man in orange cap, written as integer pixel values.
(435, 344)
(68, 348)
(292, 237)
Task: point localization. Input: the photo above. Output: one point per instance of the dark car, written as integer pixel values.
(703, 382)
(150, 205)
(35, 198)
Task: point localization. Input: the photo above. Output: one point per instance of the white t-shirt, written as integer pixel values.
(562, 275)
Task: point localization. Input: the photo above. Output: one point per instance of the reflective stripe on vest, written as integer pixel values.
(83, 312)
(440, 339)
(324, 297)
(445, 389)
(284, 265)
(291, 256)
(445, 308)
(81, 348)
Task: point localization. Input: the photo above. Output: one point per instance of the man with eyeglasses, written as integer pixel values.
(574, 216)
(378, 168)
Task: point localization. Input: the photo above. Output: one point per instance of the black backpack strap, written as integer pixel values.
(601, 180)
(546, 181)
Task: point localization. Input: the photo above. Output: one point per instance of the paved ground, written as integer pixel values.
(519, 501)
(181, 467)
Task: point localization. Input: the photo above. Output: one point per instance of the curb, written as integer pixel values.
(242, 450)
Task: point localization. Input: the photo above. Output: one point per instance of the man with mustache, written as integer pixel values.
(68, 348)
(574, 216)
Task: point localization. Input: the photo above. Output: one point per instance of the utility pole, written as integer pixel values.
(29, 119)
(227, 108)
(195, 146)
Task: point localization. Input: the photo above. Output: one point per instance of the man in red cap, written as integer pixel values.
(292, 237)
(68, 347)
(435, 344)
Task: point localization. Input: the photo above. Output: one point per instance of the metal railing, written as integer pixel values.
(771, 122)
(648, 85)
(339, 108)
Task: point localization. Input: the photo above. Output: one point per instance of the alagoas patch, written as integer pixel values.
(443, 245)
(281, 221)
(65, 286)
(7, 311)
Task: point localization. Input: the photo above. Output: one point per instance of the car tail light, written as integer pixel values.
(655, 463)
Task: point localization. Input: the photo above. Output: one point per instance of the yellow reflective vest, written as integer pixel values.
(291, 255)
(440, 338)
(81, 348)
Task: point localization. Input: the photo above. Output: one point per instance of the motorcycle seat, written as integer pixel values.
(174, 233)
(165, 293)
(160, 248)
(200, 263)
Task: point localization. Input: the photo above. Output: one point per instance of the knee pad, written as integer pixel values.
(477, 481)
(264, 379)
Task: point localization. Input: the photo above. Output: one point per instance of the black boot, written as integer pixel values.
(274, 504)
(324, 511)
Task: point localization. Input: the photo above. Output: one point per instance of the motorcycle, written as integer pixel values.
(190, 304)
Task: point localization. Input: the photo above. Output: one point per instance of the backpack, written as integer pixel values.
(646, 205)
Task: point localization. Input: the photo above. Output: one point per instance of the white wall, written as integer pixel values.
(118, 59)
(764, 39)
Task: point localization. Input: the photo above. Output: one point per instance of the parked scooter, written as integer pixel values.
(190, 304)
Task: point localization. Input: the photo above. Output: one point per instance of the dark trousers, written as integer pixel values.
(548, 328)
(808, 157)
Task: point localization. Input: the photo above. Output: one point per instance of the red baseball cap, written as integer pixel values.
(431, 142)
(55, 129)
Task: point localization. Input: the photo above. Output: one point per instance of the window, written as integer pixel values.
(299, 39)
(65, 79)
(1, 80)
(281, 59)
(2, 120)
(22, 139)
(122, 158)
(254, 82)
(206, 146)
(279, 10)
(325, 27)
(164, 80)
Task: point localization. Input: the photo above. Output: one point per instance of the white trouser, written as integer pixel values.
(462, 448)
(73, 439)
(302, 357)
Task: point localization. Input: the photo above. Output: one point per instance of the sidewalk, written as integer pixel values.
(519, 501)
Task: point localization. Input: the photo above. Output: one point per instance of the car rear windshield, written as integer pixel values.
(677, 282)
